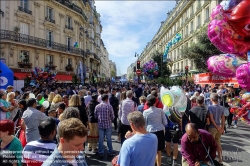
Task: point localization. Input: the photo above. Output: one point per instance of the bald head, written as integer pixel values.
(192, 132)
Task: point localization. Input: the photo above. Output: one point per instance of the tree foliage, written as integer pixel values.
(112, 73)
(166, 72)
(200, 51)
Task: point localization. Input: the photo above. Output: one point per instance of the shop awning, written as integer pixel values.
(21, 76)
(64, 77)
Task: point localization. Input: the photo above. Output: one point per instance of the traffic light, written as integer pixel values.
(186, 69)
(138, 65)
(134, 69)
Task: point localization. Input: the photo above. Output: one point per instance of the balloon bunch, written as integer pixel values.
(229, 31)
(150, 69)
(76, 45)
(175, 103)
(41, 76)
(175, 40)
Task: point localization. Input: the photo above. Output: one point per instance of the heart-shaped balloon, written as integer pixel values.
(243, 76)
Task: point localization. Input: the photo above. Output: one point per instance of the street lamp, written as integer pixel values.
(138, 66)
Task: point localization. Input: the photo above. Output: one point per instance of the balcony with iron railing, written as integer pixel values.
(50, 20)
(38, 42)
(24, 10)
(74, 7)
(69, 27)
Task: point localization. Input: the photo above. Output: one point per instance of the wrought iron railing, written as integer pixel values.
(24, 10)
(22, 38)
(73, 7)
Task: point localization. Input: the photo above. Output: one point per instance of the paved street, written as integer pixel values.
(235, 144)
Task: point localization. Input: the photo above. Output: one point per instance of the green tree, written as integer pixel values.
(164, 71)
(200, 51)
(112, 73)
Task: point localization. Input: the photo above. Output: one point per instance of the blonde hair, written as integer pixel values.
(69, 128)
(51, 96)
(8, 96)
(143, 99)
(123, 96)
(57, 99)
(74, 101)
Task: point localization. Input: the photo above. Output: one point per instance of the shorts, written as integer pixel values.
(160, 137)
(216, 135)
(172, 135)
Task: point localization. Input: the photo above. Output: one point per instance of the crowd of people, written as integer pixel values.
(53, 125)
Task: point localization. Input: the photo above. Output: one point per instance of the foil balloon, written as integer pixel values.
(31, 95)
(175, 97)
(175, 115)
(225, 64)
(229, 31)
(45, 104)
(243, 76)
(239, 20)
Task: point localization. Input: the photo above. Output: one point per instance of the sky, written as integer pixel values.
(127, 27)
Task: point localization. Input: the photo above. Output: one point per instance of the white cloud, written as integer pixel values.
(128, 26)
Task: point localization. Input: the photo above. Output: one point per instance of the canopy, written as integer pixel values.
(210, 78)
(6, 76)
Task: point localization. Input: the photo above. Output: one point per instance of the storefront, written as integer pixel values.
(212, 79)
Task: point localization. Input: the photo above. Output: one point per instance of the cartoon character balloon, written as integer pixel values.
(229, 31)
(225, 64)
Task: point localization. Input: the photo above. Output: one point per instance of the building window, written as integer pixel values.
(24, 28)
(192, 26)
(192, 9)
(187, 30)
(207, 12)
(49, 38)
(24, 4)
(49, 60)
(198, 21)
(24, 56)
(68, 43)
(49, 13)
(69, 61)
(186, 62)
(68, 22)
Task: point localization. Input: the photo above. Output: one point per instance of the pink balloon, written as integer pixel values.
(225, 64)
(243, 76)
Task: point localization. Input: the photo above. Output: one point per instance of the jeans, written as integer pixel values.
(102, 133)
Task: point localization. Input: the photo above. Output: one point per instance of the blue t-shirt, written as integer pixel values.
(140, 149)
(140, 108)
(217, 110)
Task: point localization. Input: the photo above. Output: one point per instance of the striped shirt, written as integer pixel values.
(36, 152)
(105, 115)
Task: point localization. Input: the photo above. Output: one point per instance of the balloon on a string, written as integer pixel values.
(45, 104)
(31, 95)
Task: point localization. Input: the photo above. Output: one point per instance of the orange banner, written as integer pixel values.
(209, 78)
